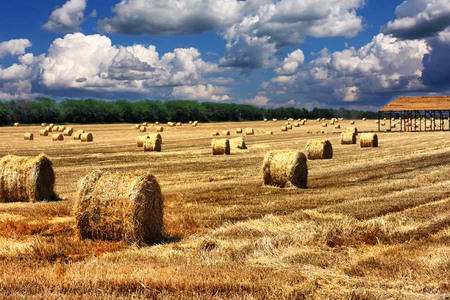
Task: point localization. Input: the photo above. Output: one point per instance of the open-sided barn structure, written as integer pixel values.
(416, 113)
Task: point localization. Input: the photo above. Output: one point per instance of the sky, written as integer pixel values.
(356, 54)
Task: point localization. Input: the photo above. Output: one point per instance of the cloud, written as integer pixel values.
(171, 17)
(200, 92)
(67, 18)
(385, 65)
(436, 64)
(14, 47)
(292, 62)
(420, 19)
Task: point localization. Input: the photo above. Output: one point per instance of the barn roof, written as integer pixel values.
(418, 103)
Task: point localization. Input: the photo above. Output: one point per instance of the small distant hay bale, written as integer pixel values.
(352, 129)
(269, 132)
(16, 124)
(28, 179)
(225, 132)
(287, 123)
(77, 135)
(120, 206)
(302, 122)
(170, 124)
(331, 122)
(368, 140)
(56, 128)
(319, 149)
(284, 128)
(238, 143)
(61, 128)
(28, 136)
(363, 119)
(137, 126)
(289, 126)
(152, 144)
(337, 126)
(144, 124)
(220, 146)
(157, 123)
(81, 131)
(43, 124)
(68, 131)
(249, 131)
(159, 129)
(319, 119)
(376, 122)
(285, 169)
(190, 122)
(195, 123)
(215, 133)
(86, 137)
(352, 122)
(43, 132)
(324, 125)
(143, 129)
(179, 124)
(238, 130)
(49, 128)
(57, 137)
(290, 119)
(265, 120)
(348, 138)
(296, 124)
(275, 120)
(51, 125)
(383, 123)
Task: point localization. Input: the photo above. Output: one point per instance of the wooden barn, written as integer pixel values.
(416, 113)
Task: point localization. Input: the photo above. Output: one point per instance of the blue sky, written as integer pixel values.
(273, 53)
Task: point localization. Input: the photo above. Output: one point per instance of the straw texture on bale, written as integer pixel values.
(43, 132)
(238, 143)
(26, 179)
(319, 149)
(249, 131)
(152, 144)
(28, 136)
(368, 140)
(86, 137)
(238, 130)
(141, 139)
(57, 137)
(220, 146)
(120, 206)
(285, 169)
(348, 138)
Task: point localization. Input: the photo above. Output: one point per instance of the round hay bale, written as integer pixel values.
(77, 135)
(179, 124)
(142, 129)
(284, 128)
(348, 138)
(28, 136)
(56, 128)
(43, 124)
(269, 132)
(26, 179)
(238, 130)
(289, 126)
(81, 131)
(86, 137)
(225, 132)
(285, 169)
(156, 123)
(337, 126)
(68, 131)
(195, 123)
(368, 140)
(61, 128)
(120, 206)
(265, 120)
(238, 143)
(16, 124)
(159, 129)
(274, 120)
(140, 139)
(352, 122)
(220, 146)
(287, 123)
(171, 124)
(43, 132)
(319, 149)
(352, 129)
(296, 124)
(363, 119)
(190, 122)
(144, 124)
(137, 126)
(249, 131)
(215, 133)
(152, 144)
(49, 128)
(57, 137)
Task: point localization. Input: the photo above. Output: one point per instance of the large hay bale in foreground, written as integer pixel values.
(285, 169)
(152, 144)
(220, 146)
(28, 136)
(86, 137)
(57, 137)
(368, 140)
(319, 149)
(140, 139)
(238, 143)
(120, 206)
(348, 138)
(26, 179)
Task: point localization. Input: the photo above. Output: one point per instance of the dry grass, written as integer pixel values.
(373, 223)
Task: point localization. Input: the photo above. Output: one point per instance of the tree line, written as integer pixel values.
(123, 111)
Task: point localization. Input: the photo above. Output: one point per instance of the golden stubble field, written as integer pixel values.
(374, 223)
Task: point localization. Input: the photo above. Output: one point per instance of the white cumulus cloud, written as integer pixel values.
(14, 47)
(201, 92)
(67, 18)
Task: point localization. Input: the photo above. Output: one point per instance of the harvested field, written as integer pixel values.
(373, 223)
